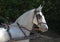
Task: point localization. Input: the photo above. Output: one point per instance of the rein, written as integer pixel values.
(34, 36)
(20, 26)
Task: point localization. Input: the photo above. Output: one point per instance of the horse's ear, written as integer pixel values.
(40, 8)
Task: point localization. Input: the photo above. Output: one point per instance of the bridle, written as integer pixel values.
(37, 17)
(20, 26)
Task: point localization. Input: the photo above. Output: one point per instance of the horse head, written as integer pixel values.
(39, 19)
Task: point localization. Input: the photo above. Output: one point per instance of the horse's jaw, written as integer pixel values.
(4, 35)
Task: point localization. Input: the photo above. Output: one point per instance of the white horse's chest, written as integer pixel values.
(16, 32)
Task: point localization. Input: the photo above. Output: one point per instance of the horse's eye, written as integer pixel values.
(39, 16)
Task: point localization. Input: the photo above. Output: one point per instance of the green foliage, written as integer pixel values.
(3, 20)
(14, 8)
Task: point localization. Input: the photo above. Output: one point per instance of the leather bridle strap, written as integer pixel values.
(20, 27)
(37, 17)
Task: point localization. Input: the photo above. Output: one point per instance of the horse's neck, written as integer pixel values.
(26, 19)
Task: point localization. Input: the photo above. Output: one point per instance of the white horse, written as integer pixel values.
(27, 20)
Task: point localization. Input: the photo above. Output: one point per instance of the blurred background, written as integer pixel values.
(10, 10)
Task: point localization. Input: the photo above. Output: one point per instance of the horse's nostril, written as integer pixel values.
(43, 29)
